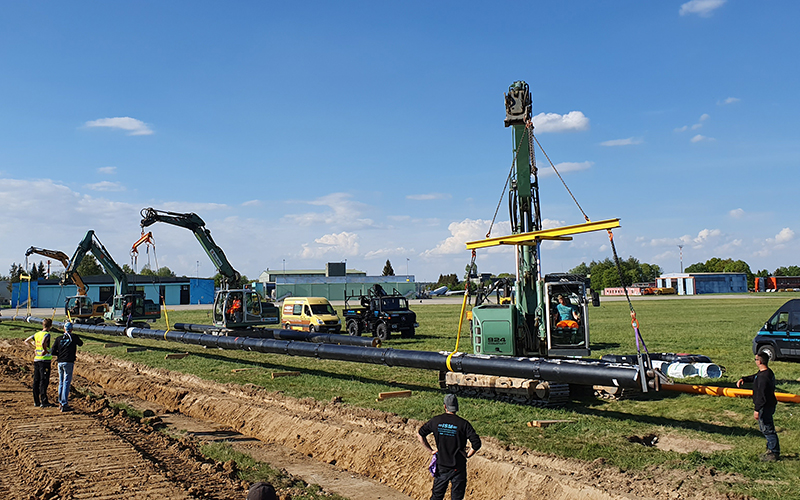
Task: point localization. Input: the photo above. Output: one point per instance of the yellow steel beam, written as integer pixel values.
(558, 233)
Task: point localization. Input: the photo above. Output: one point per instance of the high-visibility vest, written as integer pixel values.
(42, 354)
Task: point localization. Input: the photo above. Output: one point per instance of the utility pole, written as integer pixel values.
(681, 250)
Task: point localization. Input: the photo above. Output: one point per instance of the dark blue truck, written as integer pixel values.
(779, 338)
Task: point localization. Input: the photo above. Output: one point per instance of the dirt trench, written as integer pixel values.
(383, 446)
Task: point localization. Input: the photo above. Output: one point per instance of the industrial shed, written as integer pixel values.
(331, 282)
(701, 283)
(50, 293)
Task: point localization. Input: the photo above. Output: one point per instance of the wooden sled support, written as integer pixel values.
(394, 394)
(176, 355)
(547, 423)
(285, 374)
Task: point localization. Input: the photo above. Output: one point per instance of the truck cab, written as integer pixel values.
(779, 338)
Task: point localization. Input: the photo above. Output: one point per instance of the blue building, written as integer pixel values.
(49, 292)
(700, 283)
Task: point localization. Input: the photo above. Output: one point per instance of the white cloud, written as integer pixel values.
(699, 138)
(106, 186)
(342, 211)
(388, 253)
(784, 236)
(429, 196)
(132, 125)
(682, 129)
(704, 117)
(706, 234)
(729, 100)
(697, 126)
(702, 8)
(252, 203)
(107, 170)
(553, 122)
(340, 245)
(567, 166)
(460, 234)
(622, 142)
(736, 213)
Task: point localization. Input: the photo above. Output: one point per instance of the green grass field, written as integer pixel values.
(719, 328)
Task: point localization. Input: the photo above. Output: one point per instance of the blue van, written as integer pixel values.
(779, 338)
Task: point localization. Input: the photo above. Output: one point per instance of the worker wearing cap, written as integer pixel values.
(765, 403)
(65, 348)
(40, 341)
(451, 434)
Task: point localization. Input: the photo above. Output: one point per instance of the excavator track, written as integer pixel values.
(538, 393)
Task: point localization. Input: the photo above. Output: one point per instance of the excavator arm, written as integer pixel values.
(193, 222)
(62, 257)
(90, 243)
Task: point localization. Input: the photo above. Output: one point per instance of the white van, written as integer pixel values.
(312, 314)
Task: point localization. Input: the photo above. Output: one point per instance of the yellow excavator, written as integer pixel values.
(79, 308)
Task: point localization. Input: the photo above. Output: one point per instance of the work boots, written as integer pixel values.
(770, 457)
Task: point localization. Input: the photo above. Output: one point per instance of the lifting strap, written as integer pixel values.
(463, 309)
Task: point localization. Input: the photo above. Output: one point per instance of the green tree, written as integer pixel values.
(89, 266)
(787, 271)
(717, 265)
(243, 281)
(449, 280)
(127, 269)
(146, 271)
(165, 272)
(41, 270)
(387, 269)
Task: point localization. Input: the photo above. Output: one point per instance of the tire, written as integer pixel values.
(310, 328)
(382, 332)
(287, 326)
(352, 328)
(769, 351)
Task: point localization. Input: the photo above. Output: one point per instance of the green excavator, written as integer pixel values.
(235, 308)
(129, 307)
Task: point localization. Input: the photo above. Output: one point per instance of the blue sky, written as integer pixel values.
(314, 132)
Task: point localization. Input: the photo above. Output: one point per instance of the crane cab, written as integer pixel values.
(566, 317)
(243, 309)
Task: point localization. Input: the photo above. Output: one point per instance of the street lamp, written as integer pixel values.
(681, 250)
(197, 270)
(407, 259)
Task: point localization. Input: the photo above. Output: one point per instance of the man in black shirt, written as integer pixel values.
(765, 403)
(65, 348)
(451, 434)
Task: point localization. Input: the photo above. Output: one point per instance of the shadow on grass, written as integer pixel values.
(588, 407)
(604, 345)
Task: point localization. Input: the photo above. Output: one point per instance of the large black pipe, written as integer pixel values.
(567, 371)
(281, 334)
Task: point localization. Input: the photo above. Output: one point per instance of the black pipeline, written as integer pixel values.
(281, 334)
(566, 371)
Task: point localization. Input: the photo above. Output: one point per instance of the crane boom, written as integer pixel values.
(64, 259)
(193, 222)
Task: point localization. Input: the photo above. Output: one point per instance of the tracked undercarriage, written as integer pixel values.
(507, 389)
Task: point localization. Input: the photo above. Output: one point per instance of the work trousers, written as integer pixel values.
(458, 478)
(64, 382)
(41, 379)
(767, 426)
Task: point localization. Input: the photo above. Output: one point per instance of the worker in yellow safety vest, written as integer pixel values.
(40, 342)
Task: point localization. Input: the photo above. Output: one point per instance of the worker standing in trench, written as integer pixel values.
(764, 402)
(451, 434)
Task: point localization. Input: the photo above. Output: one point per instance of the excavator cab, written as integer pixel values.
(243, 309)
(81, 309)
(135, 307)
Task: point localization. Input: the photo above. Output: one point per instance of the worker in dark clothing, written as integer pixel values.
(764, 402)
(451, 434)
(40, 341)
(261, 491)
(65, 348)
